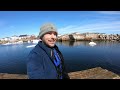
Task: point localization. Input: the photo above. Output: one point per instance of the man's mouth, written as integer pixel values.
(51, 41)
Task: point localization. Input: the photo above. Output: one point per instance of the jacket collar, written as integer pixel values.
(46, 48)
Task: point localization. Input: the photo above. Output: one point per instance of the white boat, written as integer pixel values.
(92, 43)
(19, 42)
(7, 43)
(30, 46)
(35, 41)
(29, 41)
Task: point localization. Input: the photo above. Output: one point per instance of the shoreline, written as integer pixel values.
(93, 73)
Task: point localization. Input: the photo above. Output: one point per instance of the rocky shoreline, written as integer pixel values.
(74, 37)
(88, 36)
(93, 73)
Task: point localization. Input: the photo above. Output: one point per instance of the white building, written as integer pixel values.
(5, 39)
(13, 38)
(23, 36)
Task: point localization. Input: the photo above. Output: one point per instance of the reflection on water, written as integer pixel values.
(78, 55)
(73, 43)
(86, 43)
(83, 56)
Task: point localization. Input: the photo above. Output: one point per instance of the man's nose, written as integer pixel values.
(53, 35)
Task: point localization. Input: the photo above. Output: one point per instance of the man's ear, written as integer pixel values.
(40, 39)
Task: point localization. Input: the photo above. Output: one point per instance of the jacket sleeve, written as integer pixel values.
(65, 74)
(35, 68)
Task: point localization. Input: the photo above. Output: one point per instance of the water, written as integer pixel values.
(78, 56)
(13, 58)
(81, 56)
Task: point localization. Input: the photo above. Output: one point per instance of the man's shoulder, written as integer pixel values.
(36, 52)
(37, 48)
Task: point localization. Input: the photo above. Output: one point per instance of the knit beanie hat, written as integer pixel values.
(47, 28)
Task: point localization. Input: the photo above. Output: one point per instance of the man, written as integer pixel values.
(45, 61)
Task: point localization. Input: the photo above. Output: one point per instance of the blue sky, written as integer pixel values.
(29, 22)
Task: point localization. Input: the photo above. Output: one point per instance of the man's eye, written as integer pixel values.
(49, 33)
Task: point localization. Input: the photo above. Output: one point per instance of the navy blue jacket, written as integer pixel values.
(40, 64)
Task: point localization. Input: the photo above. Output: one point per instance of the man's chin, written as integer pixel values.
(51, 45)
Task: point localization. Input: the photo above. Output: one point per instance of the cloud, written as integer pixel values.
(106, 27)
(65, 30)
(109, 12)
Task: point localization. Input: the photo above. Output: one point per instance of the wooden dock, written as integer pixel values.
(94, 73)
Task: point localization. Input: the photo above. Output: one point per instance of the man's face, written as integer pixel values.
(50, 38)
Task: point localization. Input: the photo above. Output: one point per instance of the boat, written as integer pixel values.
(7, 43)
(92, 43)
(35, 41)
(30, 46)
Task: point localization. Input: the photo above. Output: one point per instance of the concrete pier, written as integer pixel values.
(94, 73)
